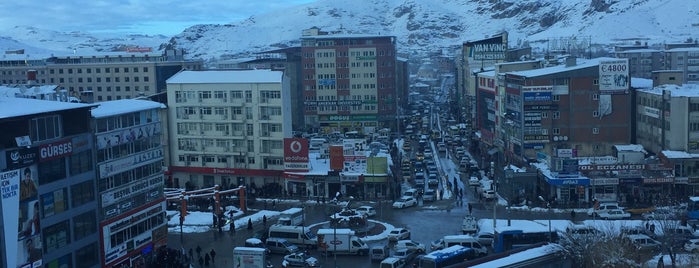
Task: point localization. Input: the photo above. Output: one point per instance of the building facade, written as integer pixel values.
(227, 128)
(129, 150)
(48, 186)
(686, 60)
(642, 61)
(99, 76)
(349, 81)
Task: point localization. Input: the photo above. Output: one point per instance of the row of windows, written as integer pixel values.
(98, 70)
(341, 54)
(144, 226)
(129, 176)
(126, 120)
(186, 95)
(122, 150)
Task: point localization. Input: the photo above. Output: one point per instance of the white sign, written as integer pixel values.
(564, 153)
(118, 194)
(9, 185)
(614, 75)
(652, 112)
(130, 162)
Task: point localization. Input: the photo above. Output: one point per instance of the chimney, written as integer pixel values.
(571, 61)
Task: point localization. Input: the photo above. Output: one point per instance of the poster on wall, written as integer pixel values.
(9, 186)
(29, 244)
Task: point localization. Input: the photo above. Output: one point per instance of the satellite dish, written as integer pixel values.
(565, 138)
(555, 138)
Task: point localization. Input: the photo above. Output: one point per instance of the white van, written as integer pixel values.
(411, 193)
(465, 241)
(294, 234)
(392, 262)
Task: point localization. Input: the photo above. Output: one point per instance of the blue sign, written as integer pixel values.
(571, 182)
(537, 96)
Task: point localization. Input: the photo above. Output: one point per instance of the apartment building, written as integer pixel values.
(48, 186)
(228, 127)
(642, 62)
(684, 59)
(98, 77)
(349, 81)
(129, 158)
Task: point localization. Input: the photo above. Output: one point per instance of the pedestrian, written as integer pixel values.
(201, 261)
(207, 259)
(647, 226)
(572, 215)
(191, 253)
(274, 203)
(652, 228)
(232, 228)
(213, 255)
(470, 208)
(198, 251)
(264, 220)
(249, 224)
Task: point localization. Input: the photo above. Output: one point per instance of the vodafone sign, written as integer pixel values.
(295, 154)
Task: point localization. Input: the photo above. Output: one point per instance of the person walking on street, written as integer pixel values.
(207, 258)
(201, 261)
(572, 215)
(198, 251)
(213, 255)
(470, 208)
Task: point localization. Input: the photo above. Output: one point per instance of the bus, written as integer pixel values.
(513, 239)
(446, 257)
(693, 208)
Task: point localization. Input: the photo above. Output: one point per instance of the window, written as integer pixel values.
(87, 255)
(56, 236)
(556, 115)
(54, 202)
(595, 130)
(556, 131)
(82, 193)
(80, 163)
(52, 170)
(595, 96)
(556, 97)
(84, 225)
(45, 128)
(595, 114)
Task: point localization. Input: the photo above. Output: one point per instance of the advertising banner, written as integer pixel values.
(614, 76)
(336, 157)
(21, 157)
(494, 48)
(9, 185)
(296, 154)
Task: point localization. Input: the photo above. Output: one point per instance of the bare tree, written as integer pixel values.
(591, 247)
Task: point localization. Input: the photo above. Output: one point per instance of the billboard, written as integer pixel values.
(537, 93)
(354, 154)
(614, 76)
(20, 207)
(494, 48)
(336, 157)
(295, 154)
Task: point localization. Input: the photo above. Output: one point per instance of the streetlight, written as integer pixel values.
(548, 206)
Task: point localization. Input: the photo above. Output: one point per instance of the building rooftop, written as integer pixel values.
(686, 90)
(640, 50)
(13, 107)
(580, 64)
(115, 107)
(680, 154)
(227, 76)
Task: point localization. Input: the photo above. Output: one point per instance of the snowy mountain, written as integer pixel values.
(419, 25)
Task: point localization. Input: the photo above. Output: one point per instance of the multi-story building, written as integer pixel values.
(686, 60)
(349, 81)
(577, 109)
(98, 76)
(130, 181)
(228, 127)
(673, 106)
(642, 62)
(48, 186)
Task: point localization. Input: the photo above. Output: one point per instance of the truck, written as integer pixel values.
(249, 257)
(291, 217)
(341, 241)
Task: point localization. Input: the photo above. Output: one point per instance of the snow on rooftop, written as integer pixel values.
(27, 90)
(227, 76)
(686, 90)
(115, 107)
(580, 64)
(523, 256)
(630, 147)
(640, 50)
(683, 49)
(12, 107)
(679, 154)
(641, 82)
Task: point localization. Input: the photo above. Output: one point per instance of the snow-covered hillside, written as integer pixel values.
(419, 25)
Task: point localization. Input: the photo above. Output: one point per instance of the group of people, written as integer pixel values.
(205, 260)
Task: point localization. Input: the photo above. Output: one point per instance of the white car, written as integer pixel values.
(398, 234)
(419, 247)
(300, 259)
(614, 214)
(485, 238)
(692, 245)
(474, 181)
(404, 202)
(488, 194)
(366, 210)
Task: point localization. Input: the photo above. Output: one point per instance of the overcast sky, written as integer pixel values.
(132, 16)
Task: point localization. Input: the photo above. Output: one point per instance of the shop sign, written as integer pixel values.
(569, 182)
(658, 180)
(605, 181)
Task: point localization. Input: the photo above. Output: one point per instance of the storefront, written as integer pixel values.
(568, 192)
(603, 190)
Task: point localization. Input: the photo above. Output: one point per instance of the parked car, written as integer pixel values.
(644, 242)
(615, 214)
(474, 181)
(419, 247)
(430, 195)
(488, 194)
(398, 234)
(300, 259)
(406, 254)
(692, 245)
(437, 244)
(602, 208)
(366, 210)
(404, 202)
(485, 238)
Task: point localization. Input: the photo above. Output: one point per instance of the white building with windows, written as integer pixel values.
(228, 127)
